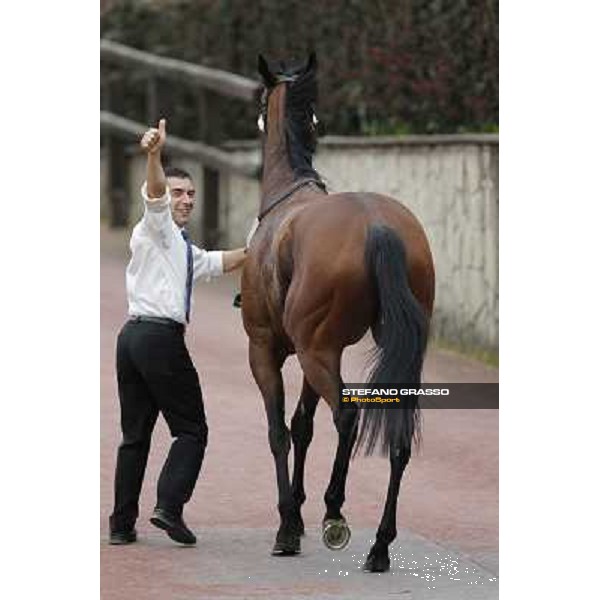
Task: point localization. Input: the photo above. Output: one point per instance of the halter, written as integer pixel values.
(272, 203)
(285, 195)
(278, 200)
(285, 78)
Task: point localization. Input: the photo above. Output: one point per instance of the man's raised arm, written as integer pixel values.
(152, 142)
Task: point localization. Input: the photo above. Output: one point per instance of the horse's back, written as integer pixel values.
(354, 212)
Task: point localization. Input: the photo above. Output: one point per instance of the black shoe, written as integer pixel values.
(174, 526)
(120, 538)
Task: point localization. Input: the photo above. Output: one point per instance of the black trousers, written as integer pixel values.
(155, 373)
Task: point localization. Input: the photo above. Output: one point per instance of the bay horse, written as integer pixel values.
(322, 269)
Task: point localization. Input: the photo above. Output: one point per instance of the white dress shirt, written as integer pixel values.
(157, 272)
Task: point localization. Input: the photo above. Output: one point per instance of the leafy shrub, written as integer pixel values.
(386, 67)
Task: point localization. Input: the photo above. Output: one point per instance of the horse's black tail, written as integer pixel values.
(400, 333)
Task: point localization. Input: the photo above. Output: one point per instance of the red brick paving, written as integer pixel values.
(449, 493)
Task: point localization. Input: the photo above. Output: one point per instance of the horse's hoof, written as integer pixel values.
(377, 563)
(286, 545)
(336, 534)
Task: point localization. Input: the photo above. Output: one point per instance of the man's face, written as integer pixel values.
(183, 197)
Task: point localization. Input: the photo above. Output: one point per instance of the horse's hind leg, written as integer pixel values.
(266, 364)
(322, 369)
(346, 424)
(378, 559)
(302, 433)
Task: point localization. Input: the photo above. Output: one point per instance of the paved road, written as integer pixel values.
(448, 510)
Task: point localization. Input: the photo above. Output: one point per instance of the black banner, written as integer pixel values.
(428, 395)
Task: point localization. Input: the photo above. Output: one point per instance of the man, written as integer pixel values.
(154, 369)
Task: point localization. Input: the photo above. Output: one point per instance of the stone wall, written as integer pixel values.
(449, 182)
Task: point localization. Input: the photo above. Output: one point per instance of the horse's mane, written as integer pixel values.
(300, 103)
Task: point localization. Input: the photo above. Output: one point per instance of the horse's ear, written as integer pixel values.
(263, 68)
(311, 65)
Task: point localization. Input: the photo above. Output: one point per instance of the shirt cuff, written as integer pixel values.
(155, 204)
(218, 263)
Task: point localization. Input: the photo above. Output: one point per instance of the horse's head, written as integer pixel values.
(285, 73)
(294, 109)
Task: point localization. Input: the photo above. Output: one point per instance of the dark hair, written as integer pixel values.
(177, 172)
(300, 101)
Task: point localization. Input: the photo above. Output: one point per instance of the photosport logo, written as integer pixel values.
(426, 395)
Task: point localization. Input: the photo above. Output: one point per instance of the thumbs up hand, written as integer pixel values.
(154, 139)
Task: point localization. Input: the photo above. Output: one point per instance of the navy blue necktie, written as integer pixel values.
(190, 274)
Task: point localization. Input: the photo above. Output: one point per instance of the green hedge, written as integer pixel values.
(386, 67)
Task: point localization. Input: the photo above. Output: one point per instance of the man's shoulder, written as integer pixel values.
(137, 230)
(137, 235)
(142, 233)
